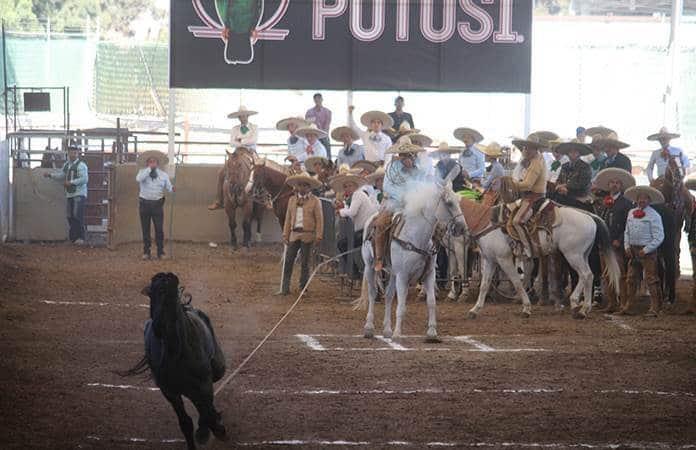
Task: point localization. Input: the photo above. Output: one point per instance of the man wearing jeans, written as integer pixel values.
(74, 177)
(153, 182)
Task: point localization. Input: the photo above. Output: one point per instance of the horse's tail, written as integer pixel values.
(360, 303)
(611, 265)
(140, 368)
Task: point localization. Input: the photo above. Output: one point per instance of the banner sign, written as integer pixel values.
(426, 45)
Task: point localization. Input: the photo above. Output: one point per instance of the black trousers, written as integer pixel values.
(76, 217)
(290, 255)
(342, 246)
(152, 211)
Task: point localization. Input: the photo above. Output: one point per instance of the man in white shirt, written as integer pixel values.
(661, 158)
(314, 147)
(296, 144)
(153, 183)
(375, 141)
(245, 134)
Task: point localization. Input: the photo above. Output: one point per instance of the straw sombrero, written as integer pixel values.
(566, 147)
(338, 132)
(161, 158)
(242, 111)
(610, 140)
(444, 147)
(401, 148)
(310, 129)
(364, 165)
(376, 175)
(493, 149)
(546, 137)
(405, 128)
(532, 141)
(599, 130)
(299, 122)
(633, 193)
(304, 177)
(314, 160)
(606, 175)
(459, 134)
(663, 134)
(338, 181)
(369, 116)
(420, 139)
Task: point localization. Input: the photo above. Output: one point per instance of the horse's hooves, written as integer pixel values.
(526, 314)
(369, 333)
(579, 315)
(387, 334)
(202, 435)
(220, 433)
(433, 340)
(472, 315)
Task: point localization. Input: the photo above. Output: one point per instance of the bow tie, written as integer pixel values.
(466, 153)
(375, 137)
(153, 173)
(293, 140)
(349, 150)
(244, 128)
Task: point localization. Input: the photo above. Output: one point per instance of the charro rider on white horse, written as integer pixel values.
(400, 174)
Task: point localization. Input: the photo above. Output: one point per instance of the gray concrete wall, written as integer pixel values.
(195, 190)
(39, 206)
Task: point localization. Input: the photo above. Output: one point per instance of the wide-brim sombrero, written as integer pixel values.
(461, 132)
(566, 147)
(364, 165)
(383, 117)
(611, 140)
(314, 160)
(444, 147)
(376, 175)
(655, 195)
(532, 141)
(545, 137)
(242, 111)
(663, 134)
(310, 129)
(304, 177)
(299, 122)
(161, 158)
(606, 175)
(494, 150)
(338, 181)
(402, 148)
(338, 132)
(600, 130)
(420, 139)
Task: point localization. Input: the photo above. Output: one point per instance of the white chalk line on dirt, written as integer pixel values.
(62, 303)
(122, 386)
(392, 344)
(398, 443)
(311, 342)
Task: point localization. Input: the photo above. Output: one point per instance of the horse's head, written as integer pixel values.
(238, 167)
(448, 209)
(163, 291)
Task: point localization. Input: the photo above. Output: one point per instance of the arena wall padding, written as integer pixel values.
(195, 190)
(39, 206)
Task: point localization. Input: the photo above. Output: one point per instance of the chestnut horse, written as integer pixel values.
(238, 170)
(268, 188)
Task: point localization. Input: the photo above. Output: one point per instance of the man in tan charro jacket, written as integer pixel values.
(530, 180)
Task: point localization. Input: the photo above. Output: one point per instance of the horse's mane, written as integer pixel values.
(418, 196)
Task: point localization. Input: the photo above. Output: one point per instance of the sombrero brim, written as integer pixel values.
(303, 132)
(519, 143)
(338, 181)
(294, 180)
(655, 195)
(364, 165)
(495, 152)
(374, 176)
(658, 136)
(387, 121)
(420, 139)
(282, 125)
(459, 134)
(237, 114)
(614, 143)
(599, 130)
(336, 133)
(310, 162)
(612, 173)
(144, 156)
(450, 150)
(404, 148)
(567, 147)
(547, 136)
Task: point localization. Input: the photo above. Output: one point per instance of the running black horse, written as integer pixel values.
(183, 356)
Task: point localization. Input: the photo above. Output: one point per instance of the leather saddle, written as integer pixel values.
(545, 217)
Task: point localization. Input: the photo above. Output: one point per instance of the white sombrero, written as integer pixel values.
(402, 148)
(369, 116)
(310, 129)
(655, 195)
(461, 132)
(444, 147)
(338, 181)
(242, 111)
(663, 134)
(299, 122)
(161, 158)
(304, 177)
(493, 149)
(338, 132)
(405, 128)
(420, 139)
(613, 173)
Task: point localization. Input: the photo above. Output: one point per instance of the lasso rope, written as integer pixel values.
(236, 371)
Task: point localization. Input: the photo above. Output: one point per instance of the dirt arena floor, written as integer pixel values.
(70, 317)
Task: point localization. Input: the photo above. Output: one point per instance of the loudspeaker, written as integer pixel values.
(37, 101)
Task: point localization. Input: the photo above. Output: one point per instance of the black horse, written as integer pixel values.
(183, 356)
(668, 262)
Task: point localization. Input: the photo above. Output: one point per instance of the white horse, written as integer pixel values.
(412, 254)
(574, 237)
